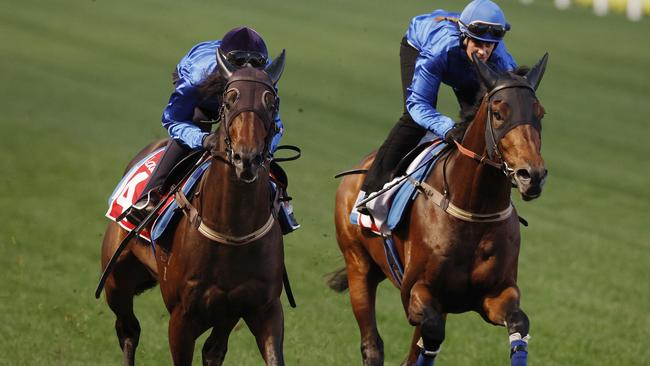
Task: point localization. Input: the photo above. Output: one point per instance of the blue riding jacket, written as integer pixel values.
(442, 59)
(192, 70)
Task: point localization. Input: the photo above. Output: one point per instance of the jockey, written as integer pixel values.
(437, 48)
(197, 97)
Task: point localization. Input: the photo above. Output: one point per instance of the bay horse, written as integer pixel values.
(224, 260)
(463, 259)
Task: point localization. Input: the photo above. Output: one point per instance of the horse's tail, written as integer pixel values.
(338, 280)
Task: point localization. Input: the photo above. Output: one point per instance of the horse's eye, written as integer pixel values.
(497, 115)
(230, 98)
(269, 100)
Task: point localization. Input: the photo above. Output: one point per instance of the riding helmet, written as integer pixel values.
(488, 16)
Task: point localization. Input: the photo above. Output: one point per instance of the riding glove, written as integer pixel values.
(209, 142)
(456, 133)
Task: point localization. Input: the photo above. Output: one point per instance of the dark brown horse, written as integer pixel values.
(224, 260)
(461, 257)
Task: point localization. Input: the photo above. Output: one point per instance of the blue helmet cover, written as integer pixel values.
(482, 11)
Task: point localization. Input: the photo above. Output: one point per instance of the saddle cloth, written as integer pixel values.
(131, 187)
(389, 208)
(135, 180)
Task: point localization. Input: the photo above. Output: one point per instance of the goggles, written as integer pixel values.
(241, 58)
(480, 29)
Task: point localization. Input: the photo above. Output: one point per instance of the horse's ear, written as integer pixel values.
(486, 73)
(225, 67)
(534, 76)
(274, 70)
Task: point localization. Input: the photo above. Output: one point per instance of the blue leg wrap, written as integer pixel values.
(425, 360)
(518, 353)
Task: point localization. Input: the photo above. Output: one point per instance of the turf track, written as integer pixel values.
(83, 86)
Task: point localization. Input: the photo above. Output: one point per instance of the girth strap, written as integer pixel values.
(192, 214)
(443, 202)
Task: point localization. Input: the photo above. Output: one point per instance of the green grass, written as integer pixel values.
(83, 86)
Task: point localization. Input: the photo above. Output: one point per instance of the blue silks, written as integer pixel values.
(442, 59)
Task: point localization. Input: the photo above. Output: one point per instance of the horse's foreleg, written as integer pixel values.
(414, 351)
(216, 346)
(421, 311)
(504, 310)
(182, 335)
(267, 325)
(363, 283)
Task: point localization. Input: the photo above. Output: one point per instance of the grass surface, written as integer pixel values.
(83, 87)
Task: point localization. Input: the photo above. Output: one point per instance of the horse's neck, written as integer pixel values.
(477, 187)
(230, 206)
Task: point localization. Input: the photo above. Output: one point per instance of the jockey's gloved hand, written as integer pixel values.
(209, 142)
(456, 133)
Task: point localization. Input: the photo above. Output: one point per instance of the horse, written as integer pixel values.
(460, 250)
(224, 260)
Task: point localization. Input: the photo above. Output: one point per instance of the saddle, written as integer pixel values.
(408, 159)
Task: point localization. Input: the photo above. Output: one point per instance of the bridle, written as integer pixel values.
(262, 110)
(266, 109)
(227, 113)
(493, 136)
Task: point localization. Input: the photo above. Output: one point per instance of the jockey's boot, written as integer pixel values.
(143, 207)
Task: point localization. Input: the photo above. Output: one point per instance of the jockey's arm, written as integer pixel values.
(177, 116)
(422, 95)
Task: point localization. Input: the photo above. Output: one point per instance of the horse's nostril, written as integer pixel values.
(237, 157)
(523, 175)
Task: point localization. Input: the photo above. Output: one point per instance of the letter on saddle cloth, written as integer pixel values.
(389, 208)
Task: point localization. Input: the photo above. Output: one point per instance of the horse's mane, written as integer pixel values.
(212, 86)
(468, 112)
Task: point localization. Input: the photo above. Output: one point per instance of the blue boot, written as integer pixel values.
(426, 358)
(518, 353)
